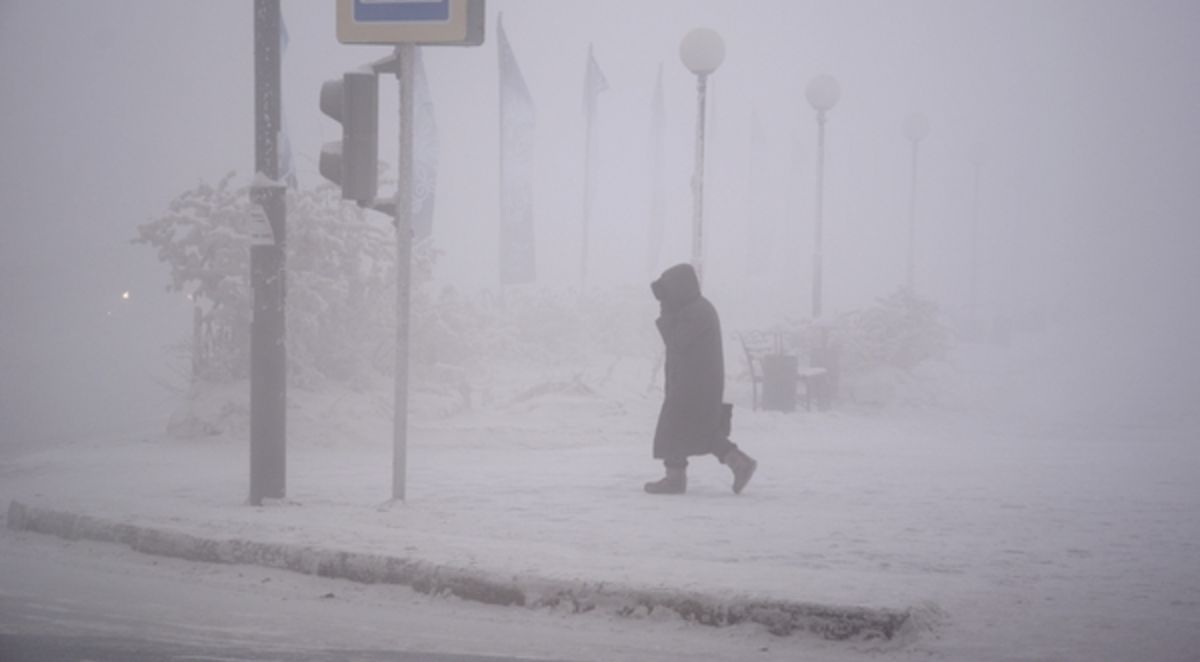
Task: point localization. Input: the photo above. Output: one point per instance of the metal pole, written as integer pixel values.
(698, 180)
(912, 223)
(975, 247)
(817, 250)
(268, 351)
(405, 53)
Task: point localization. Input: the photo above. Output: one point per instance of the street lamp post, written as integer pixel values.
(976, 156)
(823, 92)
(702, 51)
(916, 127)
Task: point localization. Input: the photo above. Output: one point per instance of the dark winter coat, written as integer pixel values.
(690, 422)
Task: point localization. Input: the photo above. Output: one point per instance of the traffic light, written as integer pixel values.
(352, 162)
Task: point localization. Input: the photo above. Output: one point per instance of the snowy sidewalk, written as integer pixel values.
(522, 509)
(991, 534)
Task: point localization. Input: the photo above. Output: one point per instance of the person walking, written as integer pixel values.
(694, 420)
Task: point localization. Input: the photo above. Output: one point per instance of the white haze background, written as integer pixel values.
(1088, 209)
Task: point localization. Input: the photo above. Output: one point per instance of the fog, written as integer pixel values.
(1086, 111)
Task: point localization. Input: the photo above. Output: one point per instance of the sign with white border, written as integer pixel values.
(423, 22)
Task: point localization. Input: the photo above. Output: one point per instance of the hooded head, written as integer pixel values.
(677, 287)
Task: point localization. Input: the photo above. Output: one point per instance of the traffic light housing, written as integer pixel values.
(353, 161)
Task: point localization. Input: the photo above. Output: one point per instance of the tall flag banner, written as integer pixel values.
(658, 123)
(287, 167)
(594, 83)
(517, 257)
(425, 153)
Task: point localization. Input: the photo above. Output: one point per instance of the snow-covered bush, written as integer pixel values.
(340, 280)
(871, 353)
(901, 330)
(204, 238)
(341, 284)
(535, 326)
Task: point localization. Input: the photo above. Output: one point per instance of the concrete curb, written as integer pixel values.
(779, 617)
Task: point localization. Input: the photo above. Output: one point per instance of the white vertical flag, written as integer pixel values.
(287, 167)
(425, 153)
(594, 83)
(517, 256)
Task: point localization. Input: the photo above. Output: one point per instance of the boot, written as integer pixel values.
(675, 482)
(743, 467)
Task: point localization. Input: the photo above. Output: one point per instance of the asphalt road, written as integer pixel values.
(94, 648)
(46, 648)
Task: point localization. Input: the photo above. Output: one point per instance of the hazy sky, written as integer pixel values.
(1087, 110)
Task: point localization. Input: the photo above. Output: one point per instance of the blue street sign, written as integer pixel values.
(422, 22)
(369, 11)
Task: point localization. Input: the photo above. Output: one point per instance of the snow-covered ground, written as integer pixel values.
(58, 588)
(1064, 532)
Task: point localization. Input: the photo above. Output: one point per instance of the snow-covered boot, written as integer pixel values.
(743, 467)
(675, 482)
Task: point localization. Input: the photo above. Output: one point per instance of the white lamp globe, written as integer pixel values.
(702, 51)
(823, 92)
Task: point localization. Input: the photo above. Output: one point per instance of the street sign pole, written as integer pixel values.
(404, 238)
(268, 353)
(405, 24)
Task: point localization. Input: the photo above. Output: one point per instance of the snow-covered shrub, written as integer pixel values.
(535, 326)
(341, 284)
(340, 280)
(489, 348)
(204, 238)
(872, 353)
(341, 315)
(901, 330)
